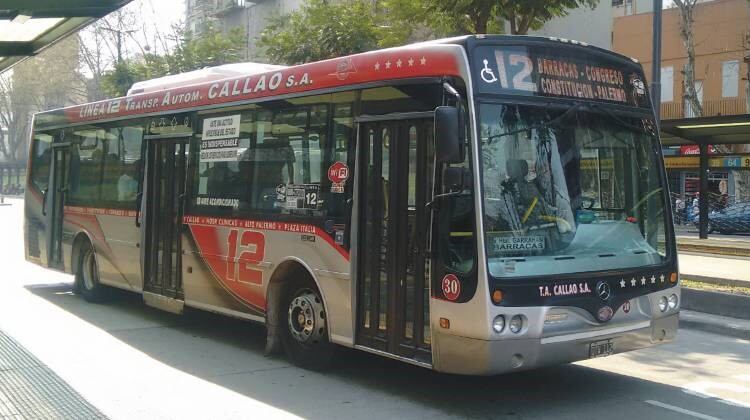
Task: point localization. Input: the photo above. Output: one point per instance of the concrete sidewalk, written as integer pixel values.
(714, 269)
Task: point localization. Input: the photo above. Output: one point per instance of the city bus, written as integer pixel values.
(473, 205)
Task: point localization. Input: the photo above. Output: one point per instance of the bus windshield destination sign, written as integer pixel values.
(526, 70)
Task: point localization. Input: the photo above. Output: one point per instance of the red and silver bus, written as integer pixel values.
(473, 205)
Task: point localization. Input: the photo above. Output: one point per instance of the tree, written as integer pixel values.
(463, 16)
(686, 11)
(483, 16)
(533, 14)
(49, 80)
(212, 48)
(321, 30)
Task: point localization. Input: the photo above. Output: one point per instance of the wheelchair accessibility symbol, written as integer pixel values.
(487, 74)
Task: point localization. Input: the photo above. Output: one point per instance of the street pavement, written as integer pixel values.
(134, 362)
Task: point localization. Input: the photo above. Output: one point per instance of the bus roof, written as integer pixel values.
(202, 75)
(430, 59)
(246, 82)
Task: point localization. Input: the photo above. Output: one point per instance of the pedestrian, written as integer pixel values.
(679, 205)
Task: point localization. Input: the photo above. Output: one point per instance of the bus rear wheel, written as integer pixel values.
(87, 276)
(305, 332)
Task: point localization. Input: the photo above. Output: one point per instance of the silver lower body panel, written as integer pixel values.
(469, 356)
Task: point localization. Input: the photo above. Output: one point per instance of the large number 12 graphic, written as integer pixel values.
(521, 76)
(251, 250)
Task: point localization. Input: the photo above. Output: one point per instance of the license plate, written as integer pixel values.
(601, 348)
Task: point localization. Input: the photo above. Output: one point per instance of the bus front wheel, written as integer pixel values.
(305, 332)
(87, 276)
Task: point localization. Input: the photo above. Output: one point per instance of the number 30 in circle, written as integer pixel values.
(451, 287)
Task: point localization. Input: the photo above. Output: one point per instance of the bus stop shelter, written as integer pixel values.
(705, 131)
(27, 27)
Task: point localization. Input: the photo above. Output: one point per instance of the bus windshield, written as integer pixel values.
(569, 190)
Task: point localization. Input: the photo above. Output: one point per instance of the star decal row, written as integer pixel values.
(642, 281)
(399, 63)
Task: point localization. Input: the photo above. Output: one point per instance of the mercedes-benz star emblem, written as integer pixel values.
(603, 290)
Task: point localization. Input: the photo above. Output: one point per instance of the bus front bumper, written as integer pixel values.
(469, 356)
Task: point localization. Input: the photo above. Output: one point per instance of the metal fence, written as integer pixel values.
(711, 108)
(727, 214)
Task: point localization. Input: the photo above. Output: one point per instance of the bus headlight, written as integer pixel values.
(672, 301)
(498, 324)
(663, 303)
(516, 324)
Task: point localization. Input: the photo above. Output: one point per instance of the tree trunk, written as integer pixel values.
(690, 96)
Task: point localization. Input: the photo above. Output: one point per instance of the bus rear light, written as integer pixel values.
(673, 278)
(497, 296)
(445, 323)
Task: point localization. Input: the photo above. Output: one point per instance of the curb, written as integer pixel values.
(715, 324)
(715, 280)
(717, 303)
(713, 249)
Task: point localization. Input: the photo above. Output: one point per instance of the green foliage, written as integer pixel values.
(487, 16)
(321, 30)
(46, 81)
(533, 14)
(211, 48)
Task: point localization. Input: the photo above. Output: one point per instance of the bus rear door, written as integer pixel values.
(162, 210)
(54, 204)
(394, 269)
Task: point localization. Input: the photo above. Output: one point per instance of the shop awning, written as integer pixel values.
(29, 26)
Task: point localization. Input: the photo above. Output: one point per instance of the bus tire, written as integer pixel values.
(305, 325)
(87, 276)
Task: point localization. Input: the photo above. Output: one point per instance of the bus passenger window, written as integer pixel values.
(40, 160)
(277, 166)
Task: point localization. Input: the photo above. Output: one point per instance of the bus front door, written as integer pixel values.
(393, 279)
(162, 207)
(54, 204)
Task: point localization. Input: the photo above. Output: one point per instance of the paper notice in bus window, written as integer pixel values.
(219, 150)
(225, 127)
(516, 244)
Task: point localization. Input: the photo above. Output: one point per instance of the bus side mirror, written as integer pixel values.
(449, 144)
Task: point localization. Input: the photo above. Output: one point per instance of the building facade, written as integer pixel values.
(252, 16)
(721, 82)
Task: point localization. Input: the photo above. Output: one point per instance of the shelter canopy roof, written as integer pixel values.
(29, 26)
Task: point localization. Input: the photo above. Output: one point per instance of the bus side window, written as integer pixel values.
(460, 248)
(40, 160)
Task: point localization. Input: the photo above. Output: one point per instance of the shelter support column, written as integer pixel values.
(703, 190)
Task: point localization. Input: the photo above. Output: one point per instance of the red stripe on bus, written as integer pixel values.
(97, 211)
(396, 63)
(266, 225)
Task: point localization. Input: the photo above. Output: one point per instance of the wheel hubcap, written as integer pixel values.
(306, 317)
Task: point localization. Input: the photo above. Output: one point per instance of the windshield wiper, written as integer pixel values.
(550, 123)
